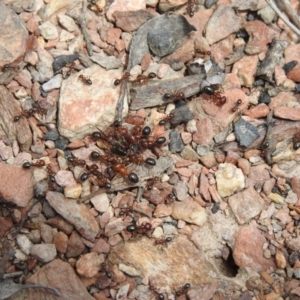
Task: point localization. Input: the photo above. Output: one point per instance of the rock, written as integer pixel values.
(75, 245)
(289, 113)
(204, 133)
(176, 144)
(24, 243)
(107, 62)
(267, 14)
(76, 214)
(100, 202)
(246, 205)
(229, 179)
(124, 6)
(131, 20)
(16, 185)
(257, 42)
(181, 190)
(248, 249)
(162, 210)
(258, 175)
(65, 178)
(73, 191)
(131, 271)
(61, 224)
(190, 212)
(67, 22)
(294, 244)
(81, 108)
(245, 132)
(89, 264)
(14, 35)
(61, 276)
(166, 5)
(44, 65)
(280, 259)
(283, 215)
(53, 83)
(47, 233)
(61, 242)
(245, 69)
(222, 23)
(189, 154)
(43, 252)
(6, 225)
(48, 31)
(101, 246)
(258, 111)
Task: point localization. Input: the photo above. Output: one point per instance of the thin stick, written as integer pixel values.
(283, 17)
(291, 12)
(84, 30)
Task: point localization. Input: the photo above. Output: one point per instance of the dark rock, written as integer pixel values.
(52, 135)
(182, 114)
(259, 82)
(43, 93)
(251, 16)
(215, 208)
(209, 3)
(297, 88)
(196, 68)
(61, 61)
(176, 143)
(264, 98)
(245, 132)
(48, 211)
(289, 66)
(61, 144)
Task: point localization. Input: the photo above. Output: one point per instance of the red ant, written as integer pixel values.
(138, 160)
(104, 268)
(296, 141)
(125, 76)
(170, 199)
(144, 227)
(191, 8)
(125, 210)
(182, 290)
(216, 96)
(151, 182)
(38, 163)
(143, 79)
(168, 118)
(150, 143)
(10, 67)
(74, 161)
(71, 68)
(154, 290)
(237, 104)
(162, 241)
(202, 52)
(85, 80)
(25, 114)
(175, 96)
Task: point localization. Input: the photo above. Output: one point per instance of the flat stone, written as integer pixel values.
(67, 22)
(100, 202)
(181, 190)
(166, 5)
(176, 144)
(53, 83)
(76, 214)
(246, 205)
(101, 246)
(43, 252)
(61, 224)
(16, 184)
(229, 179)
(48, 31)
(190, 212)
(75, 245)
(204, 133)
(248, 249)
(222, 23)
(289, 113)
(107, 62)
(61, 276)
(61, 242)
(258, 111)
(245, 132)
(24, 243)
(89, 264)
(73, 191)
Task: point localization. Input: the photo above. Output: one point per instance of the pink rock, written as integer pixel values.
(279, 75)
(204, 133)
(204, 187)
(61, 242)
(16, 184)
(283, 215)
(258, 175)
(61, 276)
(120, 45)
(281, 99)
(89, 264)
(146, 61)
(248, 249)
(259, 111)
(294, 243)
(186, 137)
(95, 38)
(246, 205)
(295, 182)
(6, 225)
(199, 20)
(75, 245)
(33, 23)
(184, 172)
(289, 113)
(24, 78)
(61, 224)
(258, 37)
(124, 5)
(222, 23)
(245, 69)
(244, 165)
(65, 178)
(101, 246)
(162, 210)
(113, 34)
(292, 52)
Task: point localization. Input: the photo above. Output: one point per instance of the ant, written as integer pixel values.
(201, 52)
(143, 79)
(138, 159)
(175, 96)
(296, 141)
(151, 182)
(237, 104)
(170, 199)
(216, 95)
(38, 163)
(168, 118)
(104, 269)
(10, 67)
(191, 8)
(74, 161)
(71, 68)
(144, 227)
(182, 290)
(154, 290)
(25, 114)
(125, 210)
(85, 80)
(125, 76)
(150, 143)
(162, 241)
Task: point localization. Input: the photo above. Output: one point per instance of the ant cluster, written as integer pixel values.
(122, 148)
(29, 113)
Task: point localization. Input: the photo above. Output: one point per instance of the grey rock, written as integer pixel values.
(202, 149)
(297, 273)
(51, 135)
(48, 211)
(48, 31)
(209, 3)
(24, 243)
(44, 252)
(61, 144)
(245, 132)
(53, 83)
(107, 62)
(181, 191)
(267, 14)
(176, 143)
(182, 114)
(61, 61)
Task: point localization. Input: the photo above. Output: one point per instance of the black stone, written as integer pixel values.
(209, 3)
(61, 144)
(182, 114)
(264, 98)
(215, 208)
(51, 135)
(289, 66)
(245, 132)
(176, 143)
(259, 82)
(62, 60)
